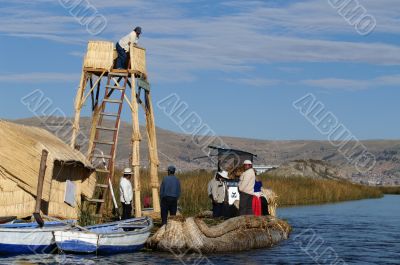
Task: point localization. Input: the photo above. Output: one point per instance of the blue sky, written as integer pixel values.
(238, 64)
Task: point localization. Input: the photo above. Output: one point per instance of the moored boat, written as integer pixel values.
(29, 238)
(7, 219)
(110, 238)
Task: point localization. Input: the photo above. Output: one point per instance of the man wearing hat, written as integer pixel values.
(123, 47)
(246, 188)
(217, 191)
(126, 193)
(170, 190)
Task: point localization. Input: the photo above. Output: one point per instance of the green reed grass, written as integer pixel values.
(390, 189)
(291, 191)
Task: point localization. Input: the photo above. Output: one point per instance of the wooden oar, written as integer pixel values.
(64, 222)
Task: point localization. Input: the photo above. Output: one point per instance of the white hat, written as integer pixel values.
(128, 171)
(247, 162)
(223, 174)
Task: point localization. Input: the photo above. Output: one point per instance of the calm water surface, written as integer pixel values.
(358, 232)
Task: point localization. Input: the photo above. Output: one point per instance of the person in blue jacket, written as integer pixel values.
(170, 192)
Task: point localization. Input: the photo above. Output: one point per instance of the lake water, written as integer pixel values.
(357, 232)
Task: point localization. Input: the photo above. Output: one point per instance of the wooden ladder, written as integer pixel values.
(103, 150)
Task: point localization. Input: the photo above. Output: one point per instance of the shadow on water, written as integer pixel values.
(356, 232)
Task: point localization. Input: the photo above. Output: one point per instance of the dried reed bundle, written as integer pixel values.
(138, 59)
(99, 55)
(236, 234)
(20, 155)
(272, 200)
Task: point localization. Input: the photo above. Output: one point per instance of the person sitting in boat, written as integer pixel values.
(217, 191)
(170, 190)
(126, 193)
(123, 47)
(246, 189)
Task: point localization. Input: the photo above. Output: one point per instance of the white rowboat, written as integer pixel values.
(117, 237)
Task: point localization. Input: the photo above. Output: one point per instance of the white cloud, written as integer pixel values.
(354, 84)
(38, 77)
(79, 54)
(254, 32)
(257, 82)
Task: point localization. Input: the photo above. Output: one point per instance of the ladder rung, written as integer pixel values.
(102, 170)
(96, 200)
(106, 128)
(118, 74)
(112, 100)
(109, 114)
(116, 87)
(104, 186)
(102, 156)
(104, 142)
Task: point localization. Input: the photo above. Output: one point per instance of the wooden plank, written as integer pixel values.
(105, 171)
(42, 172)
(121, 74)
(116, 87)
(94, 70)
(92, 88)
(128, 101)
(106, 128)
(109, 114)
(95, 200)
(105, 142)
(112, 100)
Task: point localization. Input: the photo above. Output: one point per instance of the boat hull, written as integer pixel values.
(82, 242)
(18, 239)
(15, 249)
(95, 242)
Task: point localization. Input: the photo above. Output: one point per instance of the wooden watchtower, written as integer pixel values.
(109, 89)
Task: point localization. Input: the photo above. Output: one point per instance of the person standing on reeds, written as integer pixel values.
(246, 189)
(126, 193)
(123, 47)
(170, 191)
(217, 192)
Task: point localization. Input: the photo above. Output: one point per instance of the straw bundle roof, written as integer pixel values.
(99, 55)
(20, 154)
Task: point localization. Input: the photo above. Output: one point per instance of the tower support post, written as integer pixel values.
(153, 155)
(78, 107)
(136, 138)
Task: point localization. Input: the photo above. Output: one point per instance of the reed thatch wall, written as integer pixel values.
(138, 59)
(20, 154)
(99, 55)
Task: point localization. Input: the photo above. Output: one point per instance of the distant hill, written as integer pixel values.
(184, 151)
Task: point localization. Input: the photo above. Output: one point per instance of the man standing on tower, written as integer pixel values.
(123, 47)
